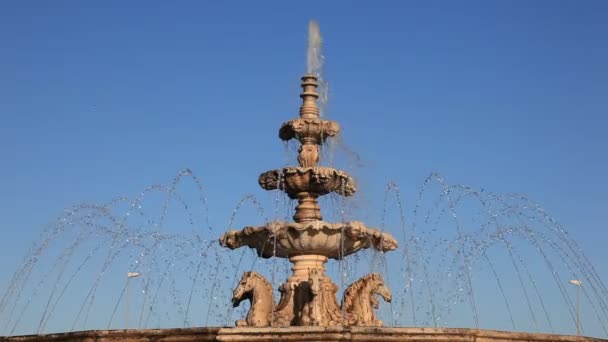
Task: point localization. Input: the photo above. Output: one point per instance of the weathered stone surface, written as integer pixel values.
(295, 334)
(129, 335)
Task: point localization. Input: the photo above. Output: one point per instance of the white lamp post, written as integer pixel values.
(578, 284)
(129, 276)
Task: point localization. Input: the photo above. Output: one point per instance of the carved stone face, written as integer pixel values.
(228, 239)
(315, 281)
(309, 155)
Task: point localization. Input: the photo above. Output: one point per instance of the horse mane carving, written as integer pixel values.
(360, 299)
(258, 290)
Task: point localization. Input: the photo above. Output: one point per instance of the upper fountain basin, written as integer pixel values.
(316, 180)
(287, 239)
(309, 128)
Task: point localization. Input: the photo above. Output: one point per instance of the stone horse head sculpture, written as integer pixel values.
(360, 299)
(258, 290)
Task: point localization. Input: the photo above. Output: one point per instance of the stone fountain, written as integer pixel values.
(308, 297)
(308, 309)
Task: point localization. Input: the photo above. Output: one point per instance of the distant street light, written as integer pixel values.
(578, 284)
(129, 276)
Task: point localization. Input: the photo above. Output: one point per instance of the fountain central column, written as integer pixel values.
(303, 264)
(309, 296)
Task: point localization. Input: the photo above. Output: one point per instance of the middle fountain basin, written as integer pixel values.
(318, 180)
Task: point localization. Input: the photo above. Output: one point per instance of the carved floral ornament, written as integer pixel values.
(301, 129)
(317, 180)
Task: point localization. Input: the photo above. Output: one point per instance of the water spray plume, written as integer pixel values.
(315, 63)
(315, 58)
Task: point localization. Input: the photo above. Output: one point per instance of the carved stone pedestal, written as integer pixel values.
(308, 298)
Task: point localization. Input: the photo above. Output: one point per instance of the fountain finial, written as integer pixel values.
(309, 95)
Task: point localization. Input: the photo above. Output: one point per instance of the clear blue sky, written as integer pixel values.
(100, 100)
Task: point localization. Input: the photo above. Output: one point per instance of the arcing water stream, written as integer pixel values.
(468, 258)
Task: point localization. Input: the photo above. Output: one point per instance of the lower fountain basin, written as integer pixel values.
(296, 334)
(317, 180)
(287, 239)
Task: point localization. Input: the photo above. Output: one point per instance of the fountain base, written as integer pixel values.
(297, 334)
(308, 298)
